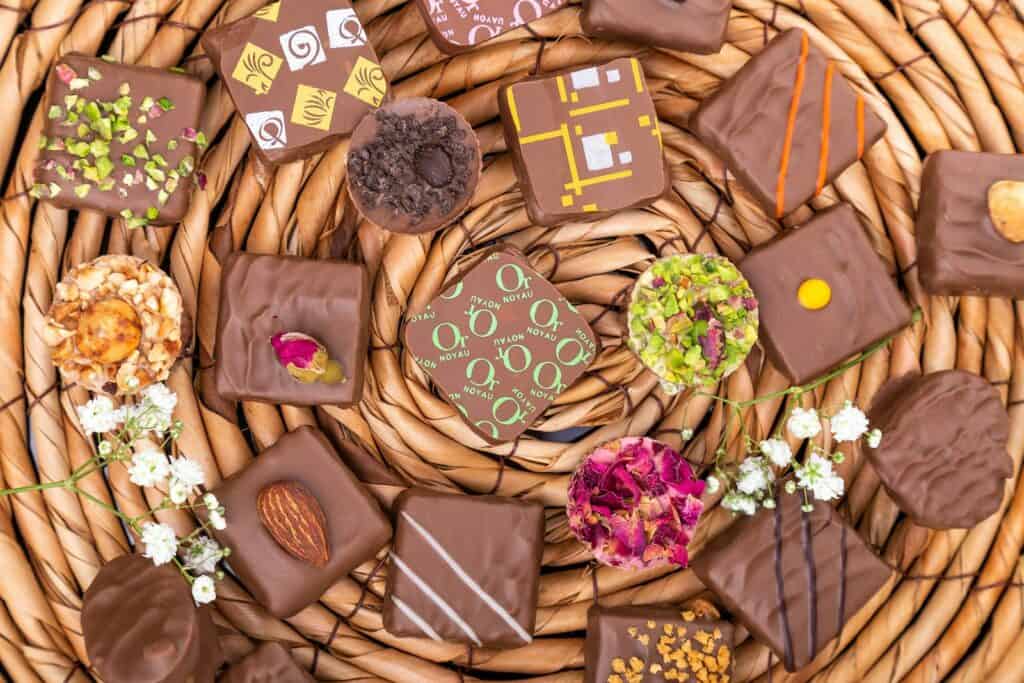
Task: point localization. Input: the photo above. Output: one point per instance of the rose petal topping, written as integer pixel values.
(306, 359)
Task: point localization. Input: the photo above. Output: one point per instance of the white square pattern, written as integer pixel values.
(598, 152)
(302, 48)
(344, 29)
(268, 129)
(625, 158)
(613, 76)
(585, 78)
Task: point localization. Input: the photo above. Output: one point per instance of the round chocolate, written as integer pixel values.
(141, 626)
(943, 455)
(413, 166)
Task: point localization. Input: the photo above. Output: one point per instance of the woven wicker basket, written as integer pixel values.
(943, 74)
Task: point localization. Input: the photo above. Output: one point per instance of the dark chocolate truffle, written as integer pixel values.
(689, 25)
(943, 455)
(142, 626)
(414, 166)
(270, 663)
(458, 25)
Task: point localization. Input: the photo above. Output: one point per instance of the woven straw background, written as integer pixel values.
(943, 74)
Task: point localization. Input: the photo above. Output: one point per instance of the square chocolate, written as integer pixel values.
(793, 578)
(330, 524)
(271, 661)
(692, 26)
(657, 644)
(959, 248)
(460, 25)
(301, 73)
(788, 123)
(501, 343)
(262, 296)
(120, 139)
(586, 143)
(464, 569)
(825, 295)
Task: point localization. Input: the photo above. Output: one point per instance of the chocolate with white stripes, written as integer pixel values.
(464, 569)
(793, 578)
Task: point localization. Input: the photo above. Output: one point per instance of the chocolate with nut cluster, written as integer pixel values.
(300, 72)
(460, 25)
(943, 456)
(120, 139)
(271, 662)
(298, 520)
(788, 123)
(961, 249)
(141, 624)
(692, 25)
(793, 578)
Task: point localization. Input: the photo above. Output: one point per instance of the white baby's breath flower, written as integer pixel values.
(754, 476)
(149, 466)
(804, 424)
(777, 451)
(874, 438)
(203, 555)
(161, 398)
(849, 424)
(177, 492)
(817, 476)
(211, 502)
(217, 520)
(790, 487)
(686, 434)
(769, 503)
(160, 541)
(186, 476)
(713, 484)
(738, 502)
(204, 590)
(99, 415)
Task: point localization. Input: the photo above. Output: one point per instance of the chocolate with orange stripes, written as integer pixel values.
(788, 123)
(693, 26)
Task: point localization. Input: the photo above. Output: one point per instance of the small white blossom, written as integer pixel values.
(754, 476)
(777, 451)
(874, 438)
(160, 541)
(738, 502)
(807, 507)
(769, 503)
(211, 502)
(99, 415)
(177, 492)
(204, 590)
(686, 434)
(186, 476)
(817, 476)
(790, 487)
(203, 555)
(217, 520)
(713, 484)
(161, 398)
(149, 466)
(849, 424)
(804, 424)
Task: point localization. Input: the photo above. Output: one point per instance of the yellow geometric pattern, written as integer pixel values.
(367, 82)
(314, 107)
(257, 68)
(270, 12)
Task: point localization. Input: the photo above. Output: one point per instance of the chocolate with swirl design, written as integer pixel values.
(301, 73)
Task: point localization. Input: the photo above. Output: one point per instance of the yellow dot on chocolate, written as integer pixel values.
(814, 294)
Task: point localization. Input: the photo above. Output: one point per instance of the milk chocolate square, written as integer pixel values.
(793, 578)
(464, 569)
(460, 25)
(355, 527)
(657, 644)
(959, 249)
(270, 662)
(586, 143)
(865, 306)
(301, 73)
(263, 295)
(692, 26)
(788, 123)
(501, 344)
(120, 139)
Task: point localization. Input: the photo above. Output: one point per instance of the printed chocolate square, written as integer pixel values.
(292, 330)
(501, 344)
(464, 569)
(301, 73)
(585, 143)
(692, 26)
(298, 520)
(793, 578)
(653, 644)
(119, 139)
(460, 25)
(825, 295)
(271, 661)
(970, 226)
(788, 123)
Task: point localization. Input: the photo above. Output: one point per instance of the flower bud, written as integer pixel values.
(306, 359)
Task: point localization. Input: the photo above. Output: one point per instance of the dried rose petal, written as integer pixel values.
(201, 180)
(66, 74)
(190, 134)
(305, 358)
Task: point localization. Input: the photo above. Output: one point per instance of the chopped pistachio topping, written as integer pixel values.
(94, 74)
(55, 112)
(79, 83)
(82, 191)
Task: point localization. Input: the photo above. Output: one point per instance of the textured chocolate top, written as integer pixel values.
(300, 72)
(692, 25)
(768, 123)
(866, 306)
(943, 453)
(270, 663)
(959, 249)
(356, 528)
(501, 344)
(141, 626)
(459, 25)
(263, 295)
(660, 643)
(154, 155)
(586, 142)
(793, 578)
(464, 569)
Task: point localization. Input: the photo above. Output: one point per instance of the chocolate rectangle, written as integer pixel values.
(270, 662)
(692, 26)
(788, 123)
(460, 25)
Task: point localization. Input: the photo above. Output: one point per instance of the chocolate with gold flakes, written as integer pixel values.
(585, 143)
(460, 25)
(301, 73)
(692, 25)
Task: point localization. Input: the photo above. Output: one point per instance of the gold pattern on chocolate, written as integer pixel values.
(257, 68)
(115, 325)
(367, 82)
(1006, 208)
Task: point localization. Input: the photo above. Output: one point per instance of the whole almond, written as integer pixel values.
(293, 516)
